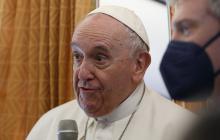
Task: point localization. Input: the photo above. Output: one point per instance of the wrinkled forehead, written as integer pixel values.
(100, 30)
(101, 23)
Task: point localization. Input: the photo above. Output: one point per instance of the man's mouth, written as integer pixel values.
(87, 90)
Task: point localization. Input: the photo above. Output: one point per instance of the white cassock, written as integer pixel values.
(144, 115)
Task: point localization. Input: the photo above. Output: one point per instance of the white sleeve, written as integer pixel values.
(44, 129)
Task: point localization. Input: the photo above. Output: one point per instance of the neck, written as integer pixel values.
(126, 108)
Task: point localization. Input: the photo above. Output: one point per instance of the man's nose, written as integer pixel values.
(85, 71)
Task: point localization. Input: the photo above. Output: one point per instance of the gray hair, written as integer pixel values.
(214, 6)
(135, 42)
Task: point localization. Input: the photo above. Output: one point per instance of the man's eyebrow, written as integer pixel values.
(73, 44)
(75, 47)
(101, 48)
(184, 21)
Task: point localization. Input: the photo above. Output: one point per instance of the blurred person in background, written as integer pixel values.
(191, 64)
(206, 128)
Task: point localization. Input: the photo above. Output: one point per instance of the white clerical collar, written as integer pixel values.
(126, 108)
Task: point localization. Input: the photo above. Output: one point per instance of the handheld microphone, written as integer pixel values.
(67, 130)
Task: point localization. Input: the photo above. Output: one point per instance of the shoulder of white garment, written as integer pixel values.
(46, 126)
(167, 120)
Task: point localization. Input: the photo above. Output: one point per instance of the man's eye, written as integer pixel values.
(101, 61)
(77, 58)
(184, 30)
(100, 57)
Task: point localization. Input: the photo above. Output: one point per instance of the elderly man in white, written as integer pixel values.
(111, 54)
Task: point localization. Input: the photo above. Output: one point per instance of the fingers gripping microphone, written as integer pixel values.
(67, 130)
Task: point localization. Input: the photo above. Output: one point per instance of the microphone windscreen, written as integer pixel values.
(67, 130)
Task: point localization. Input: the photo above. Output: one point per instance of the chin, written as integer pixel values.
(96, 114)
(91, 111)
(92, 114)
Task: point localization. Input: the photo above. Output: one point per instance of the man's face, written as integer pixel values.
(194, 22)
(103, 66)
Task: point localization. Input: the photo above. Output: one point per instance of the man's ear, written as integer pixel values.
(142, 61)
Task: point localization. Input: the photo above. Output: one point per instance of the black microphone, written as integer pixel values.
(67, 130)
